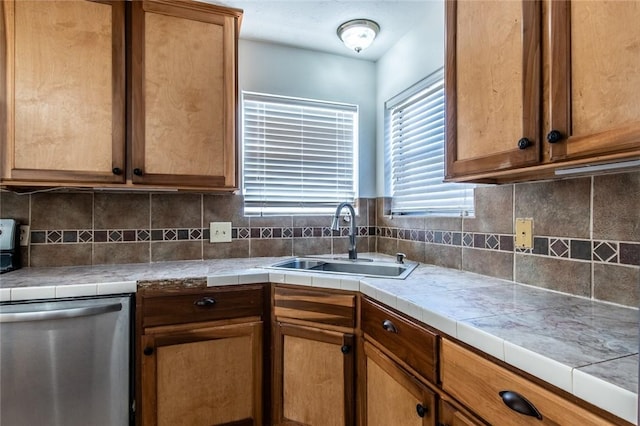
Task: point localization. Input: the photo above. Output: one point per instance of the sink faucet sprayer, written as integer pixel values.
(353, 230)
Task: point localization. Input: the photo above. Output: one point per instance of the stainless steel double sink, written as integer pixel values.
(362, 267)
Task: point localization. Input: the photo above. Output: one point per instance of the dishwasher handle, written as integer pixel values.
(59, 313)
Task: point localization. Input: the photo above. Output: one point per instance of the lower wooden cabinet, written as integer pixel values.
(502, 397)
(210, 374)
(314, 357)
(206, 356)
(452, 415)
(393, 396)
(200, 356)
(314, 376)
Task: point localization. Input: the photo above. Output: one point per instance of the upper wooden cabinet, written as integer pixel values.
(534, 86)
(184, 94)
(64, 76)
(594, 79)
(492, 85)
(63, 79)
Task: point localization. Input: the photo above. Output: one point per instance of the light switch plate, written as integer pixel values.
(220, 232)
(524, 233)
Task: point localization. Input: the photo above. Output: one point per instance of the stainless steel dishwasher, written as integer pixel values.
(66, 362)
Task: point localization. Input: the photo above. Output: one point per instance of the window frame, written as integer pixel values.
(307, 208)
(407, 98)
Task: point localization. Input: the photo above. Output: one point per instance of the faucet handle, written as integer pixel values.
(400, 257)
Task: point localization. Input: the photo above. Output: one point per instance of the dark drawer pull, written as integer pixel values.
(345, 349)
(148, 351)
(519, 404)
(389, 326)
(554, 136)
(524, 143)
(421, 410)
(205, 301)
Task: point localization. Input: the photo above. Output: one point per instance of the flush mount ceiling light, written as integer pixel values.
(358, 34)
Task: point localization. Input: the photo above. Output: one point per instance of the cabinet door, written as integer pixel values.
(393, 396)
(62, 72)
(184, 94)
(202, 376)
(594, 78)
(313, 377)
(492, 85)
(451, 416)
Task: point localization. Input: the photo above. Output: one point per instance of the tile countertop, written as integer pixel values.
(588, 348)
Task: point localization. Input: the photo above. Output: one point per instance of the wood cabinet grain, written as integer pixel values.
(201, 356)
(405, 339)
(184, 85)
(535, 86)
(394, 396)
(98, 99)
(594, 80)
(477, 383)
(314, 357)
(493, 95)
(63, 79)
(314, 376)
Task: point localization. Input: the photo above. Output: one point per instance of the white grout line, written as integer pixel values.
(150, 239)
(591, 197)
(202, 226)
(29, 245)
(513, 231)
(93, 227)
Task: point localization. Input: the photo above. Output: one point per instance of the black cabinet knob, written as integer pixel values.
(137, 172)
(345, 349)
(389, 326)
(117, 171)
(148, 351)
(205, 301)
(554, 136)
(421, 410)
(524, 143)
(519, 404)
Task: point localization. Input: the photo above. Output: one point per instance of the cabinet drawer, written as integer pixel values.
(201, 305)
(411, 343)
(318, 306)
(477, 383)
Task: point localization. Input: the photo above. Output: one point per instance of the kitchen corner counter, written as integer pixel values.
(587, 348)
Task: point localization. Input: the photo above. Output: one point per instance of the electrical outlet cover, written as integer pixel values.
(24, 235)
(524, 233)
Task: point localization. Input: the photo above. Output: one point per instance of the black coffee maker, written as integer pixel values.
(9, 245)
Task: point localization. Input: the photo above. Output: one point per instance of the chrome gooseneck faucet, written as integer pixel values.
(353, 230)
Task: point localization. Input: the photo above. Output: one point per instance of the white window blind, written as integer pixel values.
(416, 130)
(299, 155)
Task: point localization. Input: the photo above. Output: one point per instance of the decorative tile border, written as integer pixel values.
(612, 252)
(616, 252)
(39, 237)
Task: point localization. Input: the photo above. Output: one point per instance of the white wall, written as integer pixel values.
(419, 53)
(288, 71)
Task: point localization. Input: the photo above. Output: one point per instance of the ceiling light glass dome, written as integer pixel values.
(358, 34)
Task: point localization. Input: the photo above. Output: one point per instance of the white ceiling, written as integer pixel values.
(312, 24)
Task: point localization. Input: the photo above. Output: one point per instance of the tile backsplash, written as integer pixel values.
(586, 236)
(586, 232)
(85, 228)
